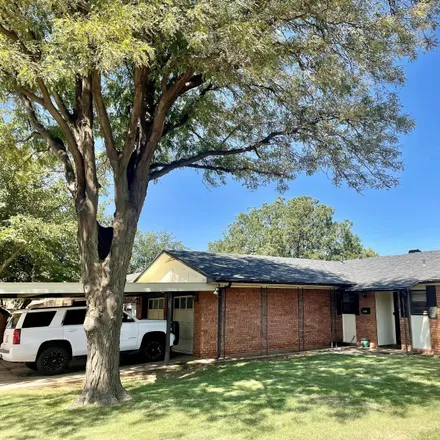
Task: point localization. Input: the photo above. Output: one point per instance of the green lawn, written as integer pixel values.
(327, 396)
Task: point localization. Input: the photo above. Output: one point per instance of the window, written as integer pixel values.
(419, 302)
(13, 321)
(38, 319)
(75, 317)
(184, 302)
(155, 303)
(350, 303)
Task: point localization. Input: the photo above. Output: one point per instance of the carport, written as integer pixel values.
(76, 290)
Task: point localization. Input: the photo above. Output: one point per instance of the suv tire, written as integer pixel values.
(53, 360)
(153, 348)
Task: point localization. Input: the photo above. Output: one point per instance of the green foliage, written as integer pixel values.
(299, 228)
(148, 245)
(37, 220)
(279, 88)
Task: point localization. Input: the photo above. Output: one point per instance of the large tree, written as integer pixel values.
(37, 220)
(299, 228)
(148, 245)
(260, 90)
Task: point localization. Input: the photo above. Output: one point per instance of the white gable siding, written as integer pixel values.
(169, 270)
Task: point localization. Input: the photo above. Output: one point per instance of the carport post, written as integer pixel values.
(169, 300)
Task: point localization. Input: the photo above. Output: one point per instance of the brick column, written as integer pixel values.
(366, 325)
(434, 327)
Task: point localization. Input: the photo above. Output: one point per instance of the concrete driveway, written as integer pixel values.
(16, 375)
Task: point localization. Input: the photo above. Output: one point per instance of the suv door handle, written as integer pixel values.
(72, 330)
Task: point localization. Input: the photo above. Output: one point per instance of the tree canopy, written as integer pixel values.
(147, 245)
(299, 228)
(293, 86)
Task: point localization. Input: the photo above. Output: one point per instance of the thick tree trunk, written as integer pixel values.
(103, 326)
(104, 282)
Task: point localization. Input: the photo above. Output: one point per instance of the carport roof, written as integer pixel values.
(59, 290)
(377, 273)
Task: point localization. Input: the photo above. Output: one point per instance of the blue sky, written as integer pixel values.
(390, 222)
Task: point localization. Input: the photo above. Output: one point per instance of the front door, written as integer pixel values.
(386, 329)
(184, 314)
(396, 315)
(349, 328)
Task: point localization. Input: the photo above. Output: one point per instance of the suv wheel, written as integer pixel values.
(53, 360)
(153, 349)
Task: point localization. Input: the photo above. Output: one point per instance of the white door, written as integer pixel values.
(129, 333)
(421, 334)
(184, 314)
(73, 328)
(349, 328)
(386, 330)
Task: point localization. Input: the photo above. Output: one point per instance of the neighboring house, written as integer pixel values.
(265, 304)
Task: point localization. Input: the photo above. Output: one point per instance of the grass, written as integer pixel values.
(327, 396)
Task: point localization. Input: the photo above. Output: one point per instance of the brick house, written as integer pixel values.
(256, 304)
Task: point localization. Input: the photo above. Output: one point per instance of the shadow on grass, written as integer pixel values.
(345, 387)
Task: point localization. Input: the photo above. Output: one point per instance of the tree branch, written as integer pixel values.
(104, 121)
(232, 170)
(9, 260)
(55, 144)
(13, 36)
(185, 82)
(140, 74)
(212, 153)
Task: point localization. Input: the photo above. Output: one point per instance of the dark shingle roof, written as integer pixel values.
(378, 273)
(394, 271)
(262, 269)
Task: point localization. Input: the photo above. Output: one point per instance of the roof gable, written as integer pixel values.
(167, 269)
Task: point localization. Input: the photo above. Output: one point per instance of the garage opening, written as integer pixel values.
(184, 313)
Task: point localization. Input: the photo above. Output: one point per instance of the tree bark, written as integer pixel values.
(104, 282)
(104, 292)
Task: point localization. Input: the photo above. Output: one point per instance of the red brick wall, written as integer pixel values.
(366, 325)
(434, 326)
(317, 326)
(243, 321)
(282, 319)
(205, 325)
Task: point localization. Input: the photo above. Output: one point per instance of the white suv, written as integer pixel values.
(47, 339)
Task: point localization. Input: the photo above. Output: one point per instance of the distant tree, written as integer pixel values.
(300, 228)
(38, 231)
(257, 90)
(147, 245)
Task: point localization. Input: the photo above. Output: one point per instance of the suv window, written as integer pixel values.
(13, 320)
(75, 317)
(38, 319)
